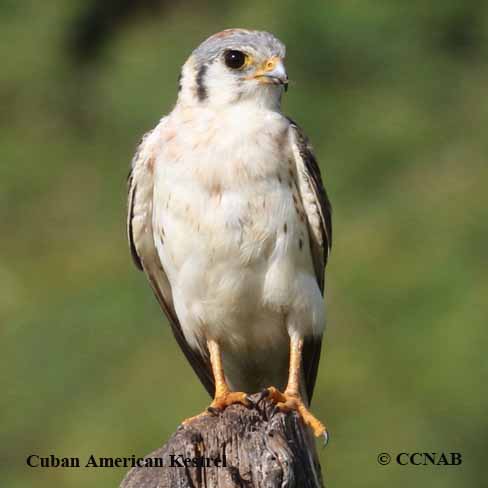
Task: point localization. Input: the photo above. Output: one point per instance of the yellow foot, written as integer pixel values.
(221, 402)
(288, 401)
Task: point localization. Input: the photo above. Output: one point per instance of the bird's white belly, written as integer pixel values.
(237, 256)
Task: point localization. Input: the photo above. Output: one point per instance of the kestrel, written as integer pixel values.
(230, 221)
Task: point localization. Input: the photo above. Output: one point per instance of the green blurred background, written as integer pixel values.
(394, 98)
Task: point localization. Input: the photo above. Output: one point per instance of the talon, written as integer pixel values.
(262, 395)
(289, 401)
(213, 411)
(326, 437)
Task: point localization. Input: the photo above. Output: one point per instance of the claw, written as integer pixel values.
(251, 401)
(326, 438)
(262, 395)
(288, 401)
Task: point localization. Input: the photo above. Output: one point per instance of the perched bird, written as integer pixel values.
(230, 221)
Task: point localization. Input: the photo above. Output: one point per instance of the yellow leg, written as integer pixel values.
(223, 396)
(291, 399)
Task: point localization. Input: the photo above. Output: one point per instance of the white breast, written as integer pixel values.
(229, 233)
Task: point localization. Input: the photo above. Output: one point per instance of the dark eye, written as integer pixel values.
(234, 59)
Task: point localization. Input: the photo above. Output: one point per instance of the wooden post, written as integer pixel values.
(253, 447)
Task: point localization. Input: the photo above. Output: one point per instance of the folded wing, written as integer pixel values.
(318, 211)
(143, 248)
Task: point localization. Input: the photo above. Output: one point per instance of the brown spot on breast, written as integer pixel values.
(280, 139)
(215, 188)
(150, 164)
(300, 243)
(279, 178)
(285, 228)
(215, 191)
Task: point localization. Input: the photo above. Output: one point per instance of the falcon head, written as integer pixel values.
(235, 65)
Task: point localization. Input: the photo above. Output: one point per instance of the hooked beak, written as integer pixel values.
(273, 72)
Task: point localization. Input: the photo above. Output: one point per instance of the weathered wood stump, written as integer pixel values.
(243, 447)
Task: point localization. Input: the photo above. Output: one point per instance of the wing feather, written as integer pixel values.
(318, 211)
(144, 253)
